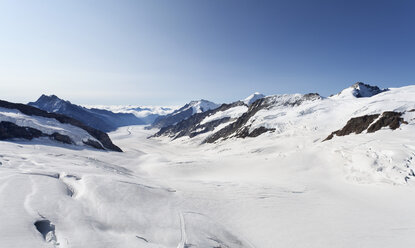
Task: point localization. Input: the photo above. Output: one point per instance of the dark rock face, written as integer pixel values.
(255, 133)
(9, 130)
(100, 119)
(355, 125)
(192, 126)
(390, 119)
(32, 111)
(61, 138)
(366, 90)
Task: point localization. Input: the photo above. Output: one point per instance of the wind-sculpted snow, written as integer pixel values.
(282, 188)
(251, 193)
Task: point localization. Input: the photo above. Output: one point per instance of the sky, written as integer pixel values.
(165, 52)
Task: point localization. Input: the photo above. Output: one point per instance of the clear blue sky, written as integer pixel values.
(170, 52)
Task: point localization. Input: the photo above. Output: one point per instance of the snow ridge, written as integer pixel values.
(252, 98)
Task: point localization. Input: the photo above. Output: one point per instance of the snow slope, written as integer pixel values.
(311, 119)
(232, 113)
(252, 98)
(216, 195)
(285, 188)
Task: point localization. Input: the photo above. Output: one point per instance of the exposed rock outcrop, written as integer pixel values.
(390, 119)
(9, 130)
(370, 123)
(254, 133)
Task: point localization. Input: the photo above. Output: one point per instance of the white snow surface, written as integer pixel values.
(280, 189)
(252, 98)
(202, 106)
(233, 113)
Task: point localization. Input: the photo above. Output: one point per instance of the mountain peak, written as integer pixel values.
(202, 105)
(44, 97)
(360, 89)
(252, 98)
(50, 103)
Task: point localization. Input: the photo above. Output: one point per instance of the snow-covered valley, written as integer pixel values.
(162, 194)
(285, 187)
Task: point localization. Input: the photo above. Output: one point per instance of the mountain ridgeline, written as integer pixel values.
(292, 113)
(100, 119)
(360, 108)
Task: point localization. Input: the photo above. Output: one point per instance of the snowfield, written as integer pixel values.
(285, 188)
(231, 113)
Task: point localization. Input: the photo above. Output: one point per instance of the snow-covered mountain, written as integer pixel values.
(19, 121)
(280, 113)
(366, 110)
(252, 98)
(204, 122)
(100, 119)
(231, 120)
(359, 89)
(183, 113)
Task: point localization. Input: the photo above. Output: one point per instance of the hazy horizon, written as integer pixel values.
(168, 53)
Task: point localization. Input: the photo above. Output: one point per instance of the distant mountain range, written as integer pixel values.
(209, 122)
(100, 119)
